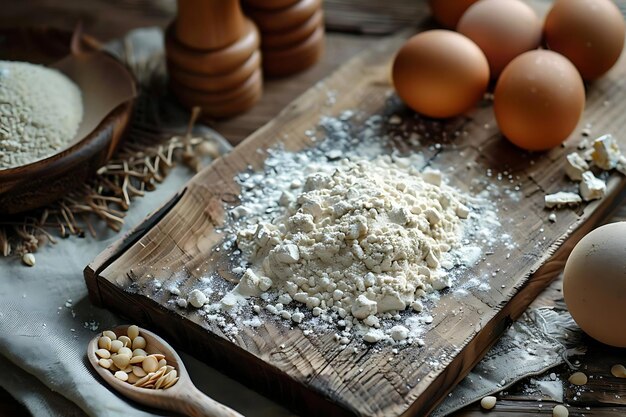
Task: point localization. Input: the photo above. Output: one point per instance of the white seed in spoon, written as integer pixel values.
(125, 340)
(103, 353)
(116, 345)
(158, 356)
(139, 342)
(125, 351)
(162, 363)
(111, 335)
(138, 371)
(170, 376)
(121, 361)
(137, 359)
(160, 382)
(104, 343)
(105, 363)
(139, 352)
(132, 378)
(142, 381)
(174, 381)
(121, 375)
(128, 369)
(150, 364)
(158, 374)
(165, 380)
(132, 332)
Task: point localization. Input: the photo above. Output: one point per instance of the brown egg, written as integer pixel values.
(440, 73)
(448, 12)
(503, 29)
(538, 100)
(588, 32)
(594, 284)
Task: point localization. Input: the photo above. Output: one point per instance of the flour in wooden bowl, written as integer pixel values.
(40, 111)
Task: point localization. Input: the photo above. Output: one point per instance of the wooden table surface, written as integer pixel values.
(352, 26)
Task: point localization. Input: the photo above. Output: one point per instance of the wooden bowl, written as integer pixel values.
(39, 183)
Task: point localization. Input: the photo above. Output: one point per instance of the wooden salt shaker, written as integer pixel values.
(292, 33)
(213, 57)
(208, 24)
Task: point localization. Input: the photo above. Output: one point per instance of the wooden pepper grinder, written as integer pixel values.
(213, 57)
(292, 33)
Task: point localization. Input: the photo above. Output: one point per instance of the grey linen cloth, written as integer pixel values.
(46, 322)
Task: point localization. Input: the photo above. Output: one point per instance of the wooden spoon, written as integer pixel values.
(182, 397)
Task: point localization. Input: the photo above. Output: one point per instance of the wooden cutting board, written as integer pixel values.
(313, 374)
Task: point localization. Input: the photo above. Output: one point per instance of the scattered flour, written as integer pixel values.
(350, 235)
(356, 236)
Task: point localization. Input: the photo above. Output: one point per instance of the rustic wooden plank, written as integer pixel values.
(315, 368)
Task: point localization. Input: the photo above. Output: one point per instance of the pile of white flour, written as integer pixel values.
(349, 235)
(356, 236)
(40, 111)
(369, 238)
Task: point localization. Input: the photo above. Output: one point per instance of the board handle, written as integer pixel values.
(194, 403)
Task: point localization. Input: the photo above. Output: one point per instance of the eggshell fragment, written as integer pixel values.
(594, 284)
(539, 100)
(440, 73)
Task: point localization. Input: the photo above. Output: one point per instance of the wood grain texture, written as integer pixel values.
(313, 374)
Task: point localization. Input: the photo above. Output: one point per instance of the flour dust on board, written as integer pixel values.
(351, 236)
